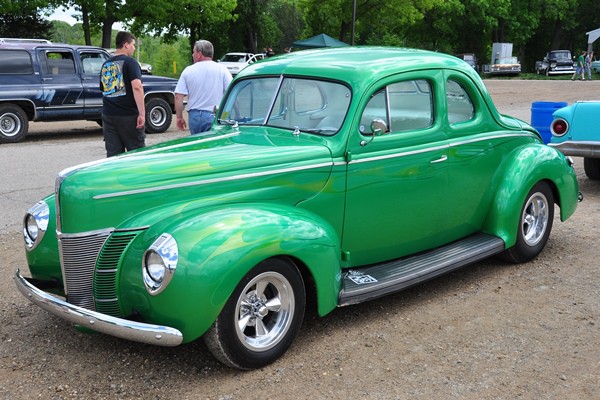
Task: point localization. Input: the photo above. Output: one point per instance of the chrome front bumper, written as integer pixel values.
(118, 327)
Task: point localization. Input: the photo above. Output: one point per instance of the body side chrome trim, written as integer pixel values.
(118, 327)
(445, 146)
(213, 180)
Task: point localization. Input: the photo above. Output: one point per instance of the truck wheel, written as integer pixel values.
(158, 115)
(13, 123)
(535, 224)
(591, 166)
(261, 318)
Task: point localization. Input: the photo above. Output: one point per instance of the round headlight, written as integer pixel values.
(31, 227)
(35, 224)
(155, 267)
(159, 263)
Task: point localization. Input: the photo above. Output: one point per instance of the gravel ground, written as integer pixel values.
(488, 331)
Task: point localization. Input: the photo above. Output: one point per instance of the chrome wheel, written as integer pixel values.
(264, 311)
(262, 316)
(158, 116)
(535, 224)
(10, 124)
(13, 123)
(535, 217)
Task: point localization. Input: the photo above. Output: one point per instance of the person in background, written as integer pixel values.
(123, 109)
(579, 68)
(588, 64)
(204, 83)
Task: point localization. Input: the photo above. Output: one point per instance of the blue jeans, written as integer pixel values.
(200, 121)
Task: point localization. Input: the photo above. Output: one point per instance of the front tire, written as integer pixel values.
(535, 224)
(591, 166)
(14, 124)
(261, 318)
(158, 115)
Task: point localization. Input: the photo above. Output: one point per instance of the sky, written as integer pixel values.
(62, 15)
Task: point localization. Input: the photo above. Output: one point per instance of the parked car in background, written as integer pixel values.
(320, 183)
(596, 66)
(502, 61)
(235, 62)
(145, 67)
(44, 81)
(470, 59)
(576, 132)
(556, 62)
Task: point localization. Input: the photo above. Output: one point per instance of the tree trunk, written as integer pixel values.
(86, 25)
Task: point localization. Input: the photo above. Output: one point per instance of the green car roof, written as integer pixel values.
(350, 63)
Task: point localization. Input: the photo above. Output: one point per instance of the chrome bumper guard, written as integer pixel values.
(118, 327)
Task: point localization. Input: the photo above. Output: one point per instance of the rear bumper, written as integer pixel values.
(118, 327)
(589, 149)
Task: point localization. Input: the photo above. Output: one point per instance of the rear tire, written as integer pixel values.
(591, 167)
(261, 318)
(14, 124)
(535, 224)
(158, 115)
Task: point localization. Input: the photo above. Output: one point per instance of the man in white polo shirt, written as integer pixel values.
(204, 83)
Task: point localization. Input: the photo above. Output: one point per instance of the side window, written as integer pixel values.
(411, 105)
(15, 62)
(460, 107)
(403, 106)
(92, 62)
(59, 63)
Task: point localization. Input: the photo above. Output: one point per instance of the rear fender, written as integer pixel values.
(521, 171)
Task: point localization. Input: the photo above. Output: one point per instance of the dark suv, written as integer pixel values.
(43, 81)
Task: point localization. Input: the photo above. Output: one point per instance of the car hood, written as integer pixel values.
(232, 166)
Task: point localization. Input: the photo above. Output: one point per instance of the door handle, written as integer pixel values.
(439, 160)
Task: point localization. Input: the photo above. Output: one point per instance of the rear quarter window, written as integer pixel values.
(15, 62)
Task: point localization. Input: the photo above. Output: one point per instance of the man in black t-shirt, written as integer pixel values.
(123, 111)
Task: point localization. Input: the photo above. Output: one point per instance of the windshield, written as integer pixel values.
(234, 58)
(304, 104)
(560, 55)
(507, 60)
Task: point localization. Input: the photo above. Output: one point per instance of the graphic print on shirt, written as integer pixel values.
(112, 79)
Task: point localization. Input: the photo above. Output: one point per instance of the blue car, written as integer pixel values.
(576, 132)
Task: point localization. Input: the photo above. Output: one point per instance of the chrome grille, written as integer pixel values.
(105, 280)
(78, 257)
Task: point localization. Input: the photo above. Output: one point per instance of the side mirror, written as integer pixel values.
(379, 127)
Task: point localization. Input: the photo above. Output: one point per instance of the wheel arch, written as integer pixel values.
(26, 105)
(521, 171)
(169, 97)
(218, 247)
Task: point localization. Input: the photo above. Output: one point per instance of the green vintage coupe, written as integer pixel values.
(330, 177)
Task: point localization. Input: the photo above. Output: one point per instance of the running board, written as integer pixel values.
(373, 281)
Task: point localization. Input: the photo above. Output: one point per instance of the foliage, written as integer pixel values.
(24, 26)
(168, 28)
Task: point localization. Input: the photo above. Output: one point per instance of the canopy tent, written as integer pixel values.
(321, 40)
(592, 36)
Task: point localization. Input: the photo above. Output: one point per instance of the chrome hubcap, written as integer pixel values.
(10, 124)
(535, 218)
(264, 311)
(158, 116)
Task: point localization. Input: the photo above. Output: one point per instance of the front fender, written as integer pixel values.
(217, 247)
(520, 171)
